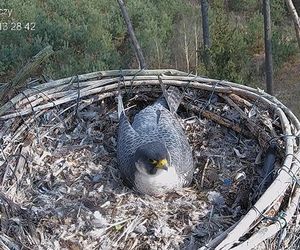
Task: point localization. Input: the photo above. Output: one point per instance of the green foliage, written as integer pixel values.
(284, 43)
(91, 35)
(282, 48)
(278, 12)
(228, 52)
(78, 31)
(243, 5)
(237, 48)
(254, 34)
(155, 25)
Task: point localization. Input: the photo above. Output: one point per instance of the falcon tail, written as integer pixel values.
(171, 98)
(120, 105)
(174, 98)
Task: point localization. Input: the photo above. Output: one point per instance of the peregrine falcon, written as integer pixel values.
(154, 156)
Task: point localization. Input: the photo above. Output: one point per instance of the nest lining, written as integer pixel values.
(60, 183)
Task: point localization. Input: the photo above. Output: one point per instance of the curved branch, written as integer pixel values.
(133, 38)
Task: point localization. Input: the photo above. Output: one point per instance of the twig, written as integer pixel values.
(254, 128)
(203, 173)
(268, 232)
(276, 190)
(216, 241)
(220, 120)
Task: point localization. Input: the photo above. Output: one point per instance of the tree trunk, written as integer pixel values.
(268, 46)
(196, 49)
(158, 54)
(133, 38)
(186, 50)
(295, 17)
(205, 30)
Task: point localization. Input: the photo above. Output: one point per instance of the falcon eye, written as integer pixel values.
(154, 162)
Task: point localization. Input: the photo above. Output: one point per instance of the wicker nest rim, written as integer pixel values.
(97, 86)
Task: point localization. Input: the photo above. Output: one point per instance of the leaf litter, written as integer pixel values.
(61, 189)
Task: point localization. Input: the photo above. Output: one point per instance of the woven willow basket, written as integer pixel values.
(280, 200)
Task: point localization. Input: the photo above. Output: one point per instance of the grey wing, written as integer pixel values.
(178, 146)
(128, 141)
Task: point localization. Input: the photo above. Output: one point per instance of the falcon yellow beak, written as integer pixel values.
(161, 164)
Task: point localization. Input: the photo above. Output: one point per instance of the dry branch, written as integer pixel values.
(269, 231)
(133, 38)
(295, 18)
(220, 120)
(240, 101)
(262, 136)
(271, 195)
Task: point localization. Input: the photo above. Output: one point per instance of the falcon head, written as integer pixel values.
(152, 157)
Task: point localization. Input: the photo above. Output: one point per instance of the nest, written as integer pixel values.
(60, 187)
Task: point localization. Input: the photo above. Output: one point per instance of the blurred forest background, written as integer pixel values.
(91, 35)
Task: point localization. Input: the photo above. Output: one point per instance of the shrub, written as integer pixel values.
(282, 48)
(91, 35)
(228, 52)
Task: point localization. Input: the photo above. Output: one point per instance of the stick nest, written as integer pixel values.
(60, 187)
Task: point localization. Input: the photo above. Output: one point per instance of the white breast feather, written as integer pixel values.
(158, 183)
